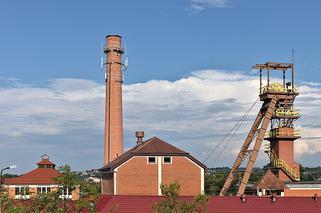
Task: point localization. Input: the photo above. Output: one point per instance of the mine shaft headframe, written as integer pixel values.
(276, 66)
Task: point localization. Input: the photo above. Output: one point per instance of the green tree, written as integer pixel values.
(88, 197)
(173, 204)
(8, 205)
(214, 183)
(55, 202)
(51, 203)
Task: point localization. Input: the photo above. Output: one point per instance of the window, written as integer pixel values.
(46, 166)
(66, 193)
(151, 160)
(43, 190)
(17, 191)
(167, 160)
(22, 190)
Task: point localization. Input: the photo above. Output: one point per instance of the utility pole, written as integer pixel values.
(1, 182)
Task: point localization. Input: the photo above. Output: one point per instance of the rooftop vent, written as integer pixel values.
(243, 199)
(273, 198)
(139, 136)
(315, 197)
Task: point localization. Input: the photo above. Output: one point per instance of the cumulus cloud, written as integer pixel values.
(197, 6)
(50, 108)
(65, 117)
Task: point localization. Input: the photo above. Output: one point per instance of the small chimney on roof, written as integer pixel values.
(315, 197)
(273, 198)
(243, 198)
(139, 136)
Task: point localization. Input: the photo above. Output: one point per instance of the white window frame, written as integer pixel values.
(171, 160)
(45, 191)
(23, 195)
(151, 157)
(67, 196)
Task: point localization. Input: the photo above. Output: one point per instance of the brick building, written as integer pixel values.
(37, 181)
(270, 184)
(142, 170)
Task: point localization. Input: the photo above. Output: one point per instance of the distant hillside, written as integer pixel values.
(215, 177)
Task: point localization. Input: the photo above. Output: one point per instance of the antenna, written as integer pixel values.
(126, 63)
(293, 56)
(102, 47)
(102, 53)
(102, 63)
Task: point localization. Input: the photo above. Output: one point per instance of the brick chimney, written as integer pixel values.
(139, 136)
(113, 146)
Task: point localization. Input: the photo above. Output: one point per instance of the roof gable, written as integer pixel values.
(270, 181)
(157, 146)
(152, 146)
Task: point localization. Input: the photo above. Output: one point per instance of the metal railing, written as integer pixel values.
(278, 133)
(286, 112)
(280, 163)
(278, 88)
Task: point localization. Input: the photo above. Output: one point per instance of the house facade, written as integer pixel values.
(142, 170)
(37, 181)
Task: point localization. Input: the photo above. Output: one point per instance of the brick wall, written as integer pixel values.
(185, 172)
(107, 186)
(137, 177)
(32, 191)
(11, 192)
(302, 192)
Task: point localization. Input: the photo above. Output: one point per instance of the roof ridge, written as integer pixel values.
(172, 145)
(144, 143)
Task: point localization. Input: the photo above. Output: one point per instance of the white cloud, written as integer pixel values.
(197, 6)
(61, 105)
(193, 113)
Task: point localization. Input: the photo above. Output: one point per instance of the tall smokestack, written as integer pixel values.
(113, 112)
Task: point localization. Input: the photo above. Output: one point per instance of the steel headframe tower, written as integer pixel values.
(278, 108)
(113, 146)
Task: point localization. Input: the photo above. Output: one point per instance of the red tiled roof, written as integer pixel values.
(270, 181)
(217, 204)
(153, 146)
(36, 176)
(45, 162)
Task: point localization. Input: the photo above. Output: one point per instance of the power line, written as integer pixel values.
(235, 125)
(239, 125)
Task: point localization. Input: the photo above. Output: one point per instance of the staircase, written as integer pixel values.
(279, 163)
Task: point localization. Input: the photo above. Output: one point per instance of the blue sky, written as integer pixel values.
(54, 47)
(165, 39)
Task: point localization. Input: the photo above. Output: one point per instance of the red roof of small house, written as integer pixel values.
(153, 146)
(217, 204)
(37, 176)
(270, 181)
(45, 161)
